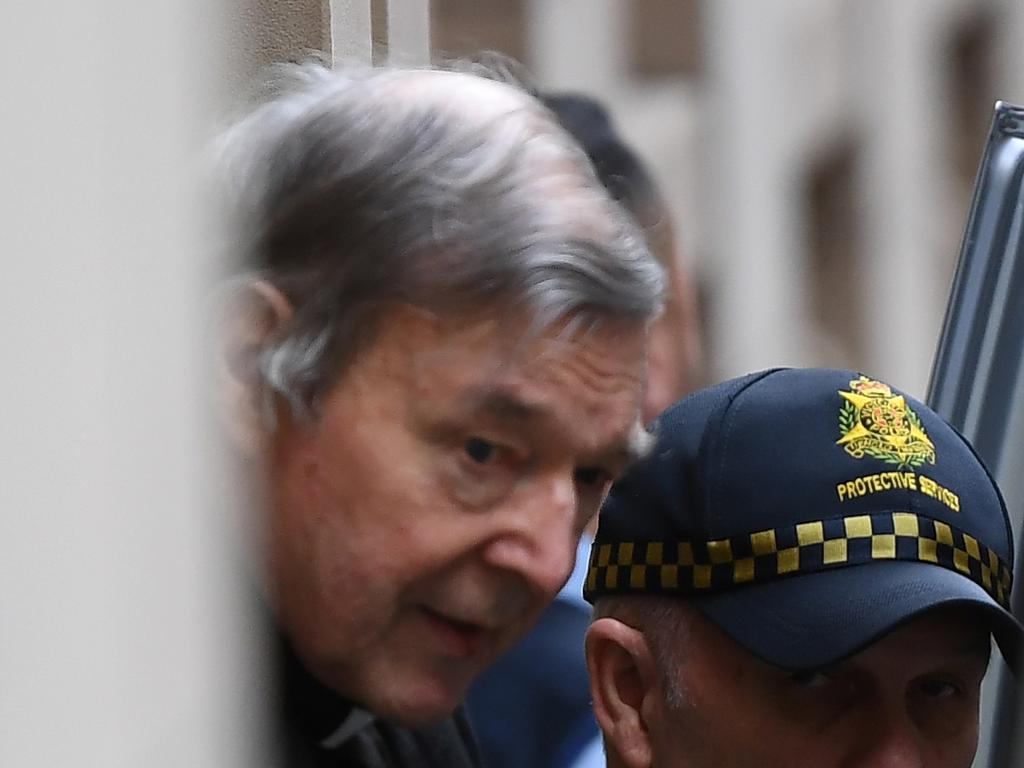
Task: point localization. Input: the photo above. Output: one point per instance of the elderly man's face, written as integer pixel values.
(424, 521)
(908, 701)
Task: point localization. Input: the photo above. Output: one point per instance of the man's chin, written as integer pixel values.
(416, 705)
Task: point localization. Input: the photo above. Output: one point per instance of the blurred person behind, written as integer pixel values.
(675, 357)
(430, 372)
(532, 708)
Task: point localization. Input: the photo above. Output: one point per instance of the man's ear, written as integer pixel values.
(623, 675)
(250, 319)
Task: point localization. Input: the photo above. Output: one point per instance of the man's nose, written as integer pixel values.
(539, 533)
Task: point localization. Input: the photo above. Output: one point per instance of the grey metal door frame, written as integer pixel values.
(977, 372)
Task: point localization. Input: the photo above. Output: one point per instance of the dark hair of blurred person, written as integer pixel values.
(675, 363)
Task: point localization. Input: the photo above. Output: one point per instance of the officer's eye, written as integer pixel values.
(592, 476)
(481, 451)
(810, 678)
(938, 688)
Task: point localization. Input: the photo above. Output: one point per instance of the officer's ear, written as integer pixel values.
(249, 319)
(624, 684)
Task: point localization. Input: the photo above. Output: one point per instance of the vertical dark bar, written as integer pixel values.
(379, 30)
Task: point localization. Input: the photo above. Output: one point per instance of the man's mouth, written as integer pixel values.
(461, 639)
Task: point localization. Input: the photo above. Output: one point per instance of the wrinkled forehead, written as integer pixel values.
(527, 373)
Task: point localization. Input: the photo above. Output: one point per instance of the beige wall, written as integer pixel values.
(123, 643)
(257, 33)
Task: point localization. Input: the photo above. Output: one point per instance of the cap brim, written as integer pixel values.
(815, 620)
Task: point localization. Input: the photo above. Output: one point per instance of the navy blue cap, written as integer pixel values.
(807, 513)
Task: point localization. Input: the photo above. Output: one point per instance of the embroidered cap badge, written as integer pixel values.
(875, 422)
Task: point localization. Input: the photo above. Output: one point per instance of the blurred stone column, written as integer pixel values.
(401, 31)
(753, 207)
(908, 258)
(123, 639)
(599, 62)
(257, 33)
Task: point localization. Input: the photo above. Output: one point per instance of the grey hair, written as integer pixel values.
(352, 194)
(663, 622)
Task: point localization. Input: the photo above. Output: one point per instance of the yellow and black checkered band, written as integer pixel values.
(704, 567)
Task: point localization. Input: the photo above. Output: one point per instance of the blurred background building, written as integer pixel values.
(818, 155)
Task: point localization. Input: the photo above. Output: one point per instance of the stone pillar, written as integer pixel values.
(753, 212)
(123, 640)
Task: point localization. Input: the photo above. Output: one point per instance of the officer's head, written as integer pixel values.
(806, 570)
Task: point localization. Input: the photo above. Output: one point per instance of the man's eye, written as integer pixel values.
(592, 476)
(481, 451)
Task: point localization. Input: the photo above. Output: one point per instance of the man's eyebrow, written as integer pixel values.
(505, 405)
(974, 650)
(976, 644)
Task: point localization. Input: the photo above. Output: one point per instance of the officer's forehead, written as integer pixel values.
(950, 633)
